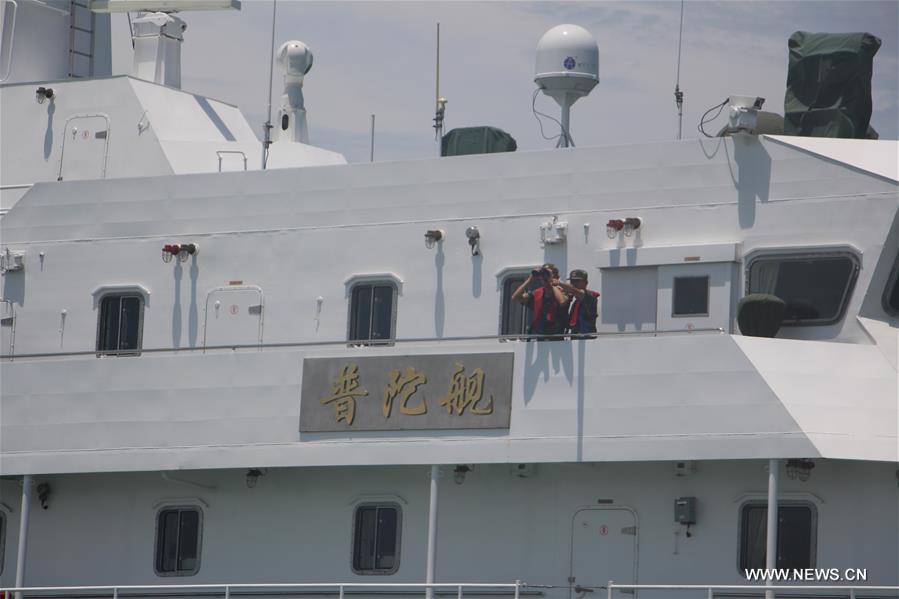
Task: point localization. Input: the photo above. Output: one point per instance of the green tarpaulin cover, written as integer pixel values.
(476, 140)
(829, 84)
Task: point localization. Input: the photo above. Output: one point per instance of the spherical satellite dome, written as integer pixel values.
(567, 61)
(295, 58)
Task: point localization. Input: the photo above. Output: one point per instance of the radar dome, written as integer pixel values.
(295, 58)
(567, 62)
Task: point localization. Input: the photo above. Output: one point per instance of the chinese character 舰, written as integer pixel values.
(466, 392)
(405, 386)
(344, 392)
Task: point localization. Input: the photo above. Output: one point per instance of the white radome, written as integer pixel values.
(567, 61)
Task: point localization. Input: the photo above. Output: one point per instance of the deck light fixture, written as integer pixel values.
(253, 475)
(613, 227)
(433, 236)
(474, 240)
(631, 224)
(799, 469)
(460, 471)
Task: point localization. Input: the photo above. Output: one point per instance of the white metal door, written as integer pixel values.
(603, 547)
(84, 148)
(234, 316)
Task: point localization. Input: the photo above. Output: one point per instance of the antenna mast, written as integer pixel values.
(678, 94)
(439, 102)
(267, 127)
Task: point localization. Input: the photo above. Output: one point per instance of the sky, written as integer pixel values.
(375, 57)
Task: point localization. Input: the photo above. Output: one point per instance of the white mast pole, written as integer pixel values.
(27, 483)
(432, 530)
(771, 547)
(267, 127)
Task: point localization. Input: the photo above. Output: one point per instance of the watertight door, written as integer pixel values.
(603, 548)
(84, 148)
(234, 316)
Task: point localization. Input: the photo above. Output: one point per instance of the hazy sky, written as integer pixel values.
(378, 57)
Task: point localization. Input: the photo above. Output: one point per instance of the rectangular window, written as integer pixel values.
(372, 315)
(178, 541)
(121, 325)
(796, 535)
(816, 288)
(891, 292)
(515, 316)
(691, 296)
(376, 539)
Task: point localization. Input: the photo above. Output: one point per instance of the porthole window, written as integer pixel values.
(120, 326)
(690, 296)
(891, 292)
(796, 535)
(376, 538)
(372, 313)
(178, 532)
(816, 287)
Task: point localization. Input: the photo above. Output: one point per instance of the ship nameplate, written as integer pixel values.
(420, 392)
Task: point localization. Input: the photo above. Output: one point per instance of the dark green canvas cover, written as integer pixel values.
(829, 84)
(476, 140)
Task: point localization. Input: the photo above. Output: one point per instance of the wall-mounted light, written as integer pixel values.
(613, 227)
(460, 471)
(433, 236)
(182, 250)
(253, 475)
(43, 494)
(42, 94)
(631, 224)
(474, 239)
(799, 469)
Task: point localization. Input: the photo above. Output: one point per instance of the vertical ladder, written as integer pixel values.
(81, 29)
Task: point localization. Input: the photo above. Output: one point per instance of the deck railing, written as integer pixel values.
(362, 343)
(225, 590)
(758, 590)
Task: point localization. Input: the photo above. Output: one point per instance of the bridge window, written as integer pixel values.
(796, 535)
(691, 296)
(178, 541)
(816, 287)
(121, 323)
(372, 312)
(515, 316)
(376, 538)
(891, 293)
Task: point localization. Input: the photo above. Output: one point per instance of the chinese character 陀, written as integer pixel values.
(344, 392)
(466, 392)
(405, 386)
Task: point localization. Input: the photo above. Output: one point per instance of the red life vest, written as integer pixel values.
(575, 311)
(539, 315)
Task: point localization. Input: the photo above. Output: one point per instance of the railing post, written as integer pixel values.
(460, 591)
(517, 587)
(711, 593)
(851, 592)
(609, 589)
(115, 592)
(227, 591)
(340, 591)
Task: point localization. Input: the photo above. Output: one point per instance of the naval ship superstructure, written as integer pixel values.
(314, 373)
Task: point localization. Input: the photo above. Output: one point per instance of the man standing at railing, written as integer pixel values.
(582, 317)
(547, 301)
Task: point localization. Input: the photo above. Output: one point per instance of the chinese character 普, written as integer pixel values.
(344, 392)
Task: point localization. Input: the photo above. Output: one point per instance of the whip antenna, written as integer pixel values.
(267, 127)
(678, 94)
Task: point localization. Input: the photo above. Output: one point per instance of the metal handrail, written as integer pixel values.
(759, 588)
(356, 343)
(113, 591)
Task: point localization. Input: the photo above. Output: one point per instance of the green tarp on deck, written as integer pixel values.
(476, 140)
(829, 84)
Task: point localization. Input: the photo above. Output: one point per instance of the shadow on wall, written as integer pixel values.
(439, 299)
(545, 358)
(752, 177)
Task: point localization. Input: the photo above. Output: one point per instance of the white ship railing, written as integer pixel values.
(340, 589)
(355, 344)
(711, 591)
